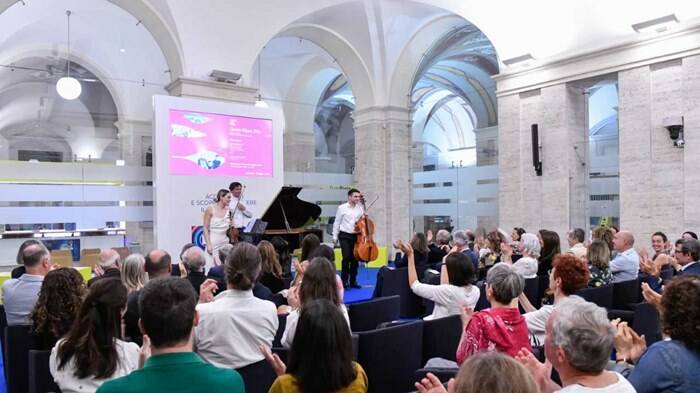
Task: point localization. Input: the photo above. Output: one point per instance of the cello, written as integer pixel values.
(366, 249)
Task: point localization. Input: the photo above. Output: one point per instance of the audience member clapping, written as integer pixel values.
(501, 327)
(233, 326)
(484, 372)
(320, 282)
(320, 358)
(529, 247)
(578, 345)
(670, 365)
(455, 290)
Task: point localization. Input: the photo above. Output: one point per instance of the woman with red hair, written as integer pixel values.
(569, 274)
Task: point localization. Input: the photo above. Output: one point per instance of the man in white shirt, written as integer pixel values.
(233, 326)
(242, 214)
(625, 266)
(344, 233)
(578, 343)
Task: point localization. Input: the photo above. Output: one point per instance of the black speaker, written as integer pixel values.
(536, 161)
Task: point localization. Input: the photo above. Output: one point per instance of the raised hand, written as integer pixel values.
(540, 371)
(431, 384)
(274, 360)
(207, 290)
(466, 315)
(650, 295)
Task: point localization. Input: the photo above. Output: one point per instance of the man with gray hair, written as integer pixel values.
(460, 241)
(439, 247)
(109, 265)
(194, 260)
(578, 343)
(576, 237)
(20, 294)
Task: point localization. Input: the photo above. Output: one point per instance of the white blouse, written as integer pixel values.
(449, 299)
(291, 327)
(66, 380)
(526, 267)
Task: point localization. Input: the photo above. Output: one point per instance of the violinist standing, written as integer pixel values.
(344, 233)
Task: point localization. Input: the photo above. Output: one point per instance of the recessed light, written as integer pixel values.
(122, 50)
(658, 25)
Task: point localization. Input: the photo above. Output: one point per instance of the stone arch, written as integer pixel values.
(159, 30)
(412, 56)
(76, 57)
(346, 56)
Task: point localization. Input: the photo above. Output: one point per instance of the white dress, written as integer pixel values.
(217, 234)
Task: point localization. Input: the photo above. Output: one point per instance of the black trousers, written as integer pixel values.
(349, 264)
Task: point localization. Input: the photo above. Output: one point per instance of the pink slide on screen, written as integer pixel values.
(210, 144)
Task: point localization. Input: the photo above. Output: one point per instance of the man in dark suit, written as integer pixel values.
(685, 261)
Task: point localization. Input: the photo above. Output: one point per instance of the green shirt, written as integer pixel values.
(181, 372)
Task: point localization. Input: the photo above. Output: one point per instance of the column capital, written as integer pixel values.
(382, 115)
(135, 127)
(191, 87)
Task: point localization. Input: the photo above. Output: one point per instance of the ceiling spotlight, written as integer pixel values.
(524, 60)
(122, 50)
(658, 25)
(259, 103)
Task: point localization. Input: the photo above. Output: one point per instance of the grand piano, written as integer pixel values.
(288, 217)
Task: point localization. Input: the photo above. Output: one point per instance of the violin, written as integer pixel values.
(365, 248)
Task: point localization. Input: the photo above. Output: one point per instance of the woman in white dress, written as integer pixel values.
(217, 220)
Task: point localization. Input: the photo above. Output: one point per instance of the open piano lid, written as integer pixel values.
(287, 204)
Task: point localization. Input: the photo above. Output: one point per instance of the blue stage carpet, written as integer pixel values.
(366, 277)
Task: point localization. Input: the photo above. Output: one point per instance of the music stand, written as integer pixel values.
(253, 232)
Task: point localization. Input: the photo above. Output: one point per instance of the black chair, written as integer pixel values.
(443, 374)
(542, 286)
(282, 318)
(391, 356)
(368, 315)
(355, 346)
(441, 338)
(483, 302)
(40, 379)
(625, 294)
(18, 342)
(646, 322)
(257, 377)
(531, 291)
(3, 325)
(396, 283)
(602, 296)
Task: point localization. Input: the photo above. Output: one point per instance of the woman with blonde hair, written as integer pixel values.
(599, 264)
(271, 274)
(484, 372)
(134, 276)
